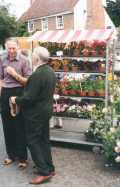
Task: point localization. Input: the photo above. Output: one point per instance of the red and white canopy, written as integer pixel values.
(66, 36)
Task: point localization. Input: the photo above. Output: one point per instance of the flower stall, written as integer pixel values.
(82, 63)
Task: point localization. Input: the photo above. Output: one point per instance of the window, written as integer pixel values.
(44, 24)
(59, 22)
(30, 26)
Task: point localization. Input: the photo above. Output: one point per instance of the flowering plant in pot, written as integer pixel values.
(100, 86)
(66, 65)
(98, 124)
(90, 87)
(96, 130)
(99, 47)
(102, 67)
(111, 146)
(75, 66)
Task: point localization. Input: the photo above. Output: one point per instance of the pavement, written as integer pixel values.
(75, 167)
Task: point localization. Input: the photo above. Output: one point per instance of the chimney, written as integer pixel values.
(31, 2)
(95, 14)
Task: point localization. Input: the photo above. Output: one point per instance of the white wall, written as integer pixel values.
(80, 14)
(108, 21)
(104, 3)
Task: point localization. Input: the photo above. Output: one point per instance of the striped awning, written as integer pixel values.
(66, 36)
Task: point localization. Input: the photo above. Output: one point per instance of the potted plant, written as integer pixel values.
(111, 146)
(102, 67)
(100, 87)
(90, 87)
(74, 66)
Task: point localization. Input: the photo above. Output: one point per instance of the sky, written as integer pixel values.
(17, 7)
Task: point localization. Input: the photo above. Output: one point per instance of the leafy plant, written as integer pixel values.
(96, 130)
(110, 141)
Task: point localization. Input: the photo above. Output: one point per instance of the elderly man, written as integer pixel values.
(14, 71)
(37, 104)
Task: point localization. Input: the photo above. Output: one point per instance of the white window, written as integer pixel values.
(44, 24)
(59, 22)
(30, 26)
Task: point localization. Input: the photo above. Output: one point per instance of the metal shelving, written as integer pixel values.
(88, 73)
(80, 98)
(90, 59)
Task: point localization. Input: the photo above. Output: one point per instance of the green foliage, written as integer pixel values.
(110, 139)
(113, 9)
(8, 24)
(22, 29)
(96, 130)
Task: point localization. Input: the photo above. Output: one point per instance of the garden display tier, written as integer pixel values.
(80, 61)
(81, 73)
(78, 108)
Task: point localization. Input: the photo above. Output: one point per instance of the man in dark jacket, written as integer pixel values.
(37, 104)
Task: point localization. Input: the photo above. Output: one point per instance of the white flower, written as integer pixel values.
(117, 149)
(118, 89)
(89, 108)
(112, 129)
(56, 96)
(111, 98)
(72, 107)
(118, 143)
(94, 106)
(104, 110)
(117, 159)
(115, 77)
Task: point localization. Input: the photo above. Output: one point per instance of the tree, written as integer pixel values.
(113, 9)
(22, 29)
(8, 24)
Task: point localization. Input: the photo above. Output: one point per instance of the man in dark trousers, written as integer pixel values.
(37, 104)
(14, 72)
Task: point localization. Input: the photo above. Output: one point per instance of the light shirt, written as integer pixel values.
(21, 66)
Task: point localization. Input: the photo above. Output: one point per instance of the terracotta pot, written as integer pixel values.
(76, 53)
(72, 92)
(75, 68)
(100, 93)
(65, 68)
(83, 93)
(65, 92)
(102, 68)
(78, 92)
(91, 93)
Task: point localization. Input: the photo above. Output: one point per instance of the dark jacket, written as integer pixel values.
(37, 100)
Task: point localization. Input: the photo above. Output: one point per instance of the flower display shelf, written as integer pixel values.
(90, 59)
(84, 98)
(83, 81)
(84, 57)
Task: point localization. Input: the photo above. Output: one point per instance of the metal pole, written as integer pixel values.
(106, 78)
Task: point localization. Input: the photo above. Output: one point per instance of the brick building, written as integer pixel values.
(67, 14)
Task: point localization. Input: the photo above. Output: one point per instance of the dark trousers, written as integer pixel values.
(13, 127)
(37, 133)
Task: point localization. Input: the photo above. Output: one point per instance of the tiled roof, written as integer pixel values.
(41, 8)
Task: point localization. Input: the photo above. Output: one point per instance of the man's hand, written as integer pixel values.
(11, 71)
(13, 100)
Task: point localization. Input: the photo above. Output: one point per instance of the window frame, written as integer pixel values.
(58, 24)
(29, 26)
(44, 24)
